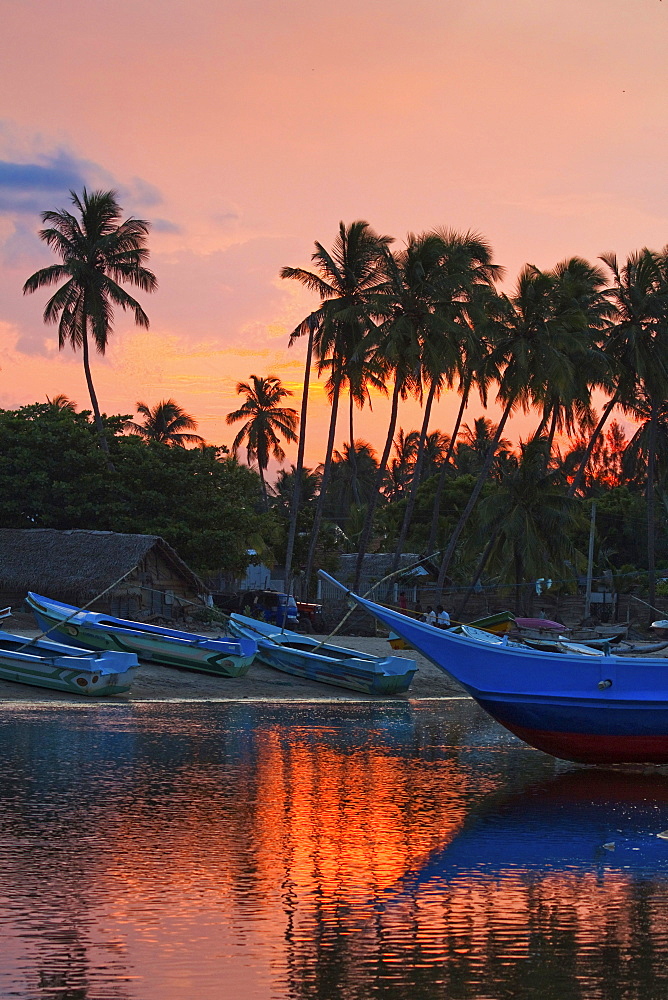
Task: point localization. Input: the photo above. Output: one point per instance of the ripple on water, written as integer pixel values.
(283, 852)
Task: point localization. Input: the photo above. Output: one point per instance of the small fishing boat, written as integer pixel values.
(46, 664)
(304, 656)
(498, 624)
(539, 625)
(91, 630)
(605, 709)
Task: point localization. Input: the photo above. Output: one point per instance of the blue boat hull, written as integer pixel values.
(58, 667)
(591, 709)
(303, 656)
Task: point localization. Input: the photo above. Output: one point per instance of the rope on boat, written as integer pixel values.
(397, 572)
(76, 611)
(650, 606)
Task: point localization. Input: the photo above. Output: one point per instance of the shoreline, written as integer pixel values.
(156, 683)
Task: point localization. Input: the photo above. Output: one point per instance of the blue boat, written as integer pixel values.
(91, 630)
(46, 664)
(595, 709)
(304, 656)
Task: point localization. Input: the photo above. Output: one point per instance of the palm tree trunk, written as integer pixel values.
(263, 487)
(373, 502)
(296, 493)
(315, 531)
(517, 560)
(473, 499)
(353, 455)
(479, 571)
(541, 426)
(93, 398)
(433, 530)
(579, 475)
(415, 482)
(651, 466)
(552, 431)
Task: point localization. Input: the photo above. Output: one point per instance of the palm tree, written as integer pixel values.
(436, 447)
(406, 446)
(265, 420)
(638, 344)
(62, 402)
(286, 484)
(527, 520)
(578, 311)
(294, 496)
(474, 368)
(167, 423)
(607, 467)
(474, 446)
(346, 279)
(464, 267)
(405, 310)
(400, 469)
(362, 369)
(309, 326)
(636, 303)
(524, 352)
(636, 455)
(352, 481)
(98, 252)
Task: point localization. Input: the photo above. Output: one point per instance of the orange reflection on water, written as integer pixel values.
(347, 823)
(215, 855)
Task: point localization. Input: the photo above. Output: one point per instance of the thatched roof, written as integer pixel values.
(52, 562)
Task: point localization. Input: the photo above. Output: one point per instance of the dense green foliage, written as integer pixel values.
(201, 501)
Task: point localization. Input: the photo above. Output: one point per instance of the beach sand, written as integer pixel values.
(157, 683)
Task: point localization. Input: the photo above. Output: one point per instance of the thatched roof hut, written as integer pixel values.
(137, 575)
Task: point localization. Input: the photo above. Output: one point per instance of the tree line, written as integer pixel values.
(421, 320)
(431, 317)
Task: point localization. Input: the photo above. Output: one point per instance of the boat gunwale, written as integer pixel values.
(90, 619)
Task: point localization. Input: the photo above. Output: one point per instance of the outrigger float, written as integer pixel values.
(45, 664)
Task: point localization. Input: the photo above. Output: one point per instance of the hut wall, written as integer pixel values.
(155, 588)
(163, 590)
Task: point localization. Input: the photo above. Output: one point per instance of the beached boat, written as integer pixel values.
(46, 664)
(498, 624)
(223, 657)
(304, 656)
(606, 709)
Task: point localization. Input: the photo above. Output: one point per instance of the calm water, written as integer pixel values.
(169, 852)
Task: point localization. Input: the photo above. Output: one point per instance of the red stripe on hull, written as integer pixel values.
(593, 749)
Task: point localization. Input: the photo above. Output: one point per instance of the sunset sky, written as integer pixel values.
(246, 131)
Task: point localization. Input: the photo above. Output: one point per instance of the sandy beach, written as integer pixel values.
(157, 683)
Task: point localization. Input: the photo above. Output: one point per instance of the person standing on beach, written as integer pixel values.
(430, 615)
(403, 603)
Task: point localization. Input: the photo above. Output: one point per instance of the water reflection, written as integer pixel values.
(333, 851)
